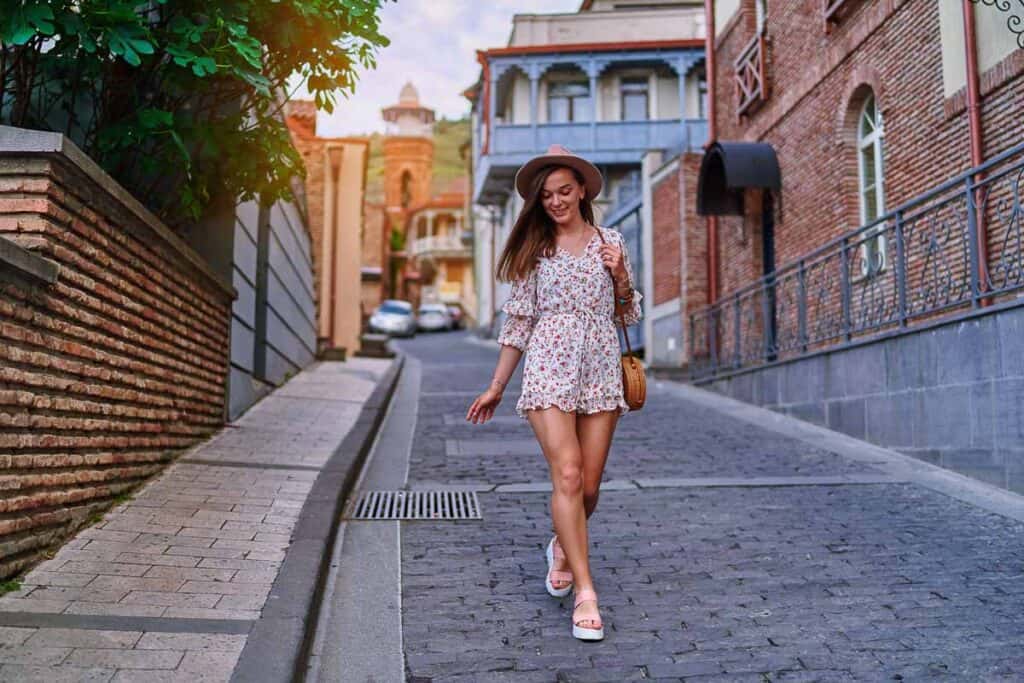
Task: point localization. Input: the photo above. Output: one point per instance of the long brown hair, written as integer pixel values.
(533, 234)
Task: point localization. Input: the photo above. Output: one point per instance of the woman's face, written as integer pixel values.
(561, 196)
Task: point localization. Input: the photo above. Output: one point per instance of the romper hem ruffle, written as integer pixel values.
(616, 403)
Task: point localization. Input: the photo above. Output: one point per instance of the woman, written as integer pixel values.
(561, 312)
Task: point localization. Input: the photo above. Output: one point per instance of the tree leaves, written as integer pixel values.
(129, 42)
(179, 91)
(25, 22)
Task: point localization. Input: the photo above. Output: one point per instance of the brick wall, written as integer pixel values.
(301, 119)
(376, 253)
(414, 155)
(666, 233)
(679, 238)
(816, 84)
(111, 371)
(694, 252)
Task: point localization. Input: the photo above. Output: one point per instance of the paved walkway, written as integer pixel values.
(169, 585)
(729, 544)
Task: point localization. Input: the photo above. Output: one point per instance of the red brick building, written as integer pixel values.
(862, 193)
(818, 77)
(864, 106)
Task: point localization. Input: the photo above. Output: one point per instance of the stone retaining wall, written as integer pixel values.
(951, 393)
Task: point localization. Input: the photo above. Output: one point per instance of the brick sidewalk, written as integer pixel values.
(169, 584)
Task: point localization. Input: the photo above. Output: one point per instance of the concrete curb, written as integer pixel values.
(486, 343)
(278, 646)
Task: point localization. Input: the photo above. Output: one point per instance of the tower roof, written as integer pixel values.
(409, 96)
(408, 105)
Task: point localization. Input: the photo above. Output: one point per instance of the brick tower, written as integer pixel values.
(408, 154)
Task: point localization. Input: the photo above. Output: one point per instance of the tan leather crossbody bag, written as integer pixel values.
(634, 381)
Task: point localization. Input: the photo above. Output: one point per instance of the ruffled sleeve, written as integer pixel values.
(635, 311)
(521, 313)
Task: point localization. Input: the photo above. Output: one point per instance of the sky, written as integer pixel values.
(433, 44)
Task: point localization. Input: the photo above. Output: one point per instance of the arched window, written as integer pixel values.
(406, 190)
(871, 190)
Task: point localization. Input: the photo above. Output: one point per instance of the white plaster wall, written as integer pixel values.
(668, 97)
(521, 98)
(608, 26)
(995, 41)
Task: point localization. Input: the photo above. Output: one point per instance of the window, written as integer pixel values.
(634, 99)
(870, 171)
(406, 189)
(568, 101)
(702, 98)
(836, 11)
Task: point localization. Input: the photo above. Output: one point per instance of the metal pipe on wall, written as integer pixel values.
(974, 126)
(709, 76)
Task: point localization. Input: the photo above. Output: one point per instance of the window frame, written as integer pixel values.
(570, 99)
(873, 243)
(643, 85)
(702, 97)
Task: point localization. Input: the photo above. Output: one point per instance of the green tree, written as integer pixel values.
(180, 99)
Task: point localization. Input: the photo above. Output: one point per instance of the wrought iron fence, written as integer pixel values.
(918, 262)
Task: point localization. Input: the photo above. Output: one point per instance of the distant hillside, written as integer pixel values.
(448, 164)
(449, 135)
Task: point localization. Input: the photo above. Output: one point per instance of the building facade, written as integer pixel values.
(436, 237)
(335, 188)
(618, 83)
(864, 188)
(435, 264)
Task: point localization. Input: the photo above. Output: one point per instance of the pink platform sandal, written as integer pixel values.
(556, 574)
(586, 632)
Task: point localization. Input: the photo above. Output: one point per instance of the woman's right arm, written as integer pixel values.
(508, 359)
(520, 311)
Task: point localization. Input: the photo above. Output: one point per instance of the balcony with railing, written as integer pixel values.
(934, 266)
(750, 76)
(510, 130)
(440, 246)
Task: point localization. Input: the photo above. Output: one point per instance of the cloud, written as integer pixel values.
(433, 45)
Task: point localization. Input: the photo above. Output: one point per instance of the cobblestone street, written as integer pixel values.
(722, 550)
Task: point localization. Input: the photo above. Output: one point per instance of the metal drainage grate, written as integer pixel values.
(414, 505)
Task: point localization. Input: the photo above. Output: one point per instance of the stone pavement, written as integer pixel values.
(723, 549)
(169, 585)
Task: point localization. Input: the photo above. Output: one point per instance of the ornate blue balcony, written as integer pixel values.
(617, 126)
(608, 142)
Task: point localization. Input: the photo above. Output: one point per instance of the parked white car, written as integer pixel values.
(394, 317)
(434, 317)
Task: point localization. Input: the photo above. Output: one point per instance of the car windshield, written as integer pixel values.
(394, 308)
(432, 309)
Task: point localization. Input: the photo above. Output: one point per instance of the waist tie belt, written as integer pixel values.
(585, 313)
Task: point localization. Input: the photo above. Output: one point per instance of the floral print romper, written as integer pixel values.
(563, 316)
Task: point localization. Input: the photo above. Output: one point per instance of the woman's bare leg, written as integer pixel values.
(594, 433)
(556, 432)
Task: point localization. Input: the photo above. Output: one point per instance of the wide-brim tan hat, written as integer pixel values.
(557, 155)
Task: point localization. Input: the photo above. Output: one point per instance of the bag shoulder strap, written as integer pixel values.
(622, 317)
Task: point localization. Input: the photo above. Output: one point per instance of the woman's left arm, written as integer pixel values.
(627, 297)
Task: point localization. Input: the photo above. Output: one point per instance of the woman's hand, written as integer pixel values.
(611, 256)
(483, 407)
